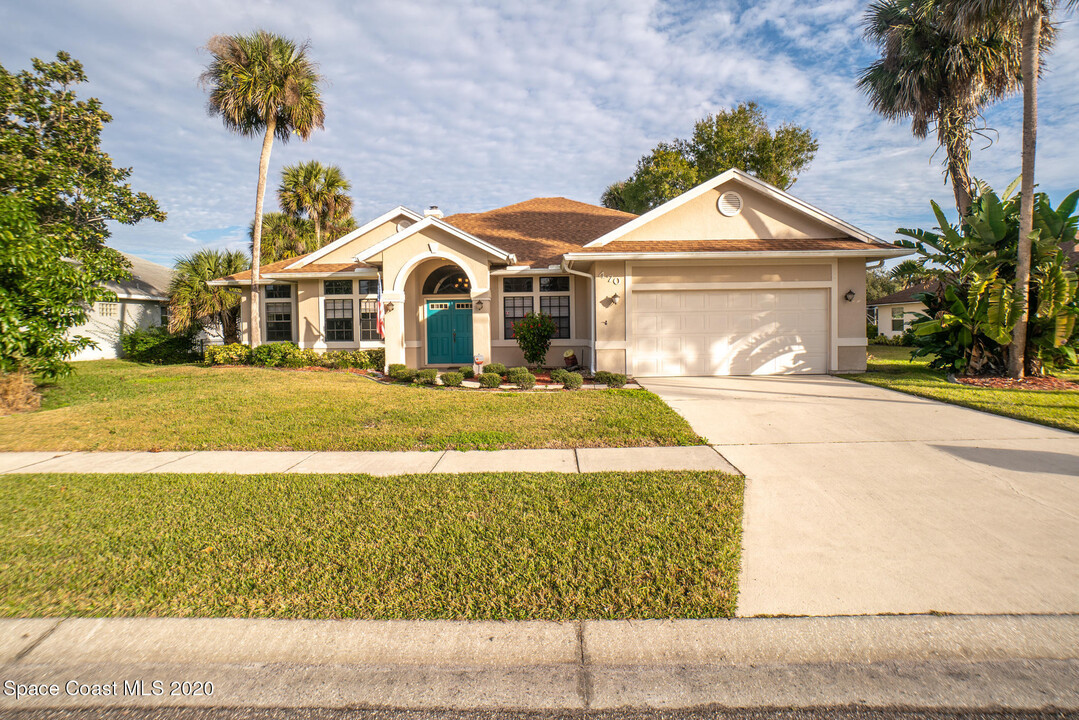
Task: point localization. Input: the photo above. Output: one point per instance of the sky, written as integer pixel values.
(471, 105)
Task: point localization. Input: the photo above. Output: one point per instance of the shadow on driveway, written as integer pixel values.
(1032, 461)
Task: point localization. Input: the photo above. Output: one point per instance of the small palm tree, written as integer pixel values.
(909, 273)
(317, 191)
(193, 302)
(935, 76)
(262, 84)
(1033, 21)
(283, 236)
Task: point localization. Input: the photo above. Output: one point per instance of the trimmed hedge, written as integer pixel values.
(452, 379)
(289, 355)
(497, 368)
(610, 379)
(558, 375)
(400, 373)
(525, 381)
(490, 380)
(427, 376)
(158, 346)
(467, 371)
(573, 381)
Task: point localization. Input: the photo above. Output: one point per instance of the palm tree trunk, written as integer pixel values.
(1031, 36)
(256, 236)
(953, 137)
(318, 233)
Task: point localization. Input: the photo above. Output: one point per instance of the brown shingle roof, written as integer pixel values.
(541, 230)
(281, 268)
(754, 245)
(905, 296)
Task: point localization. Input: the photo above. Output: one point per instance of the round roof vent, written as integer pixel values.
(403, 224)
(729, 203)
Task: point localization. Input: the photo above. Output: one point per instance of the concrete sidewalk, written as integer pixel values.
(922, 661)
(582, 460)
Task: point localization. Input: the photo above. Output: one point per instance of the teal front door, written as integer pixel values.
(449, 332)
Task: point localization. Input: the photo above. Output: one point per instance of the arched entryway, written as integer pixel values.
(447, 316)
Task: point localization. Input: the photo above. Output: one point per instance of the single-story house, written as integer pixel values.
(141, 302)
(893, 314)
(734, 277)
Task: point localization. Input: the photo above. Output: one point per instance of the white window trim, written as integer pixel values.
(291, 299)
(535, 294)
(356, 343)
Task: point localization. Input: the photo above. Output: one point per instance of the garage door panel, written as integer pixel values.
(730, 332)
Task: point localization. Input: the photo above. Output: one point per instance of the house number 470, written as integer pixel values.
(611, 280)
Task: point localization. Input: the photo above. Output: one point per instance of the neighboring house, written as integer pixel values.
(141, 302)
(734, 277)
(892, 314)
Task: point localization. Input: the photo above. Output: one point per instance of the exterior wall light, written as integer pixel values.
(389, 307)
(850, 296)
(615, 298)
(479, 305)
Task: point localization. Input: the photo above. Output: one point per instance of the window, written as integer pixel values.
(108, 309)
(279, 292)
(558, 283)
(517, 285)
(164, 319)
(447, 280)
(515, 309)
(337, 287)
(339, 319)
(897, 319)
(369, 319)
(279, 321)
(871, 315)
(557, 307)
(368, 287)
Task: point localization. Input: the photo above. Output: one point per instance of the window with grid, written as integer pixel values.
(368, 287)
(279, 292)
(279, 321)
(164, 315)
(557, 306)
(897, 319)
(339, 321)
(108, 309)
(369, 320)
(337, 287)
(515, 309)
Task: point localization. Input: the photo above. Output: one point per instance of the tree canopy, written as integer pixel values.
(738, 138)
(60, 190)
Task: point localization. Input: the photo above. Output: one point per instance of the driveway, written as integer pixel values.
(865, 500)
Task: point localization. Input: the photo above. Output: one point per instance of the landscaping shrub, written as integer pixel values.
(427, 376)
(282, 354)
(558, 375)
(513, 373)
(452, 379)
(573, 381)
(231, 354)
(158, 346)
(403, 374)
(497, 368)
(375, 358)
(525, 380)
(306, 358)
(871, 331)
(533, 334)
(610, 379)
(467, 371)
(490, 380)
(394, 368)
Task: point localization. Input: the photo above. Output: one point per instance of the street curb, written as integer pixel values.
(927, 661)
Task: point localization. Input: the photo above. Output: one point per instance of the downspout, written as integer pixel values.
(874, 265)
(592, 286)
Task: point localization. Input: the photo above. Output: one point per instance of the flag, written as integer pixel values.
(380, 317)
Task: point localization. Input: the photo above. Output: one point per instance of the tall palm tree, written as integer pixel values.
(936, 76)
(320, 192)
(1033, 20)
(192, 301)
(262, 84)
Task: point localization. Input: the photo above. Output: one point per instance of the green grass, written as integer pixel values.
(119, 405)
(486, 546)
(891, 367)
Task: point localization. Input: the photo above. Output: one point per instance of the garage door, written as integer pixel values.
(729, 332)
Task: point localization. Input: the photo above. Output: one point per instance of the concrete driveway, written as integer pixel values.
(864, 500)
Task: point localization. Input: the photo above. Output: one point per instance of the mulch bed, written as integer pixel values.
(1030, 383)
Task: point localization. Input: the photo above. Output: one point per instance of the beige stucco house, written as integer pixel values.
(893, 314)
(733, 277)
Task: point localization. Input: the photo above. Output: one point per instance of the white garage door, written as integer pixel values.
(729, 332)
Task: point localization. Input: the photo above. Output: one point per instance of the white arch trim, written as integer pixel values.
(406, 270)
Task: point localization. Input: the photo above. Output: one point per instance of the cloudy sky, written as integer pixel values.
(476, 104)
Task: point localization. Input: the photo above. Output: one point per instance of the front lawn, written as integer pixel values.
(120, 405)
(486, 546)
(891, 367)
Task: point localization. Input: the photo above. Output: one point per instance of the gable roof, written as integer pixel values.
(842, 228)
(432, 221)
(149, 281)
(367, 227)
(906, 295)
(288, 266)
(540, 231)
